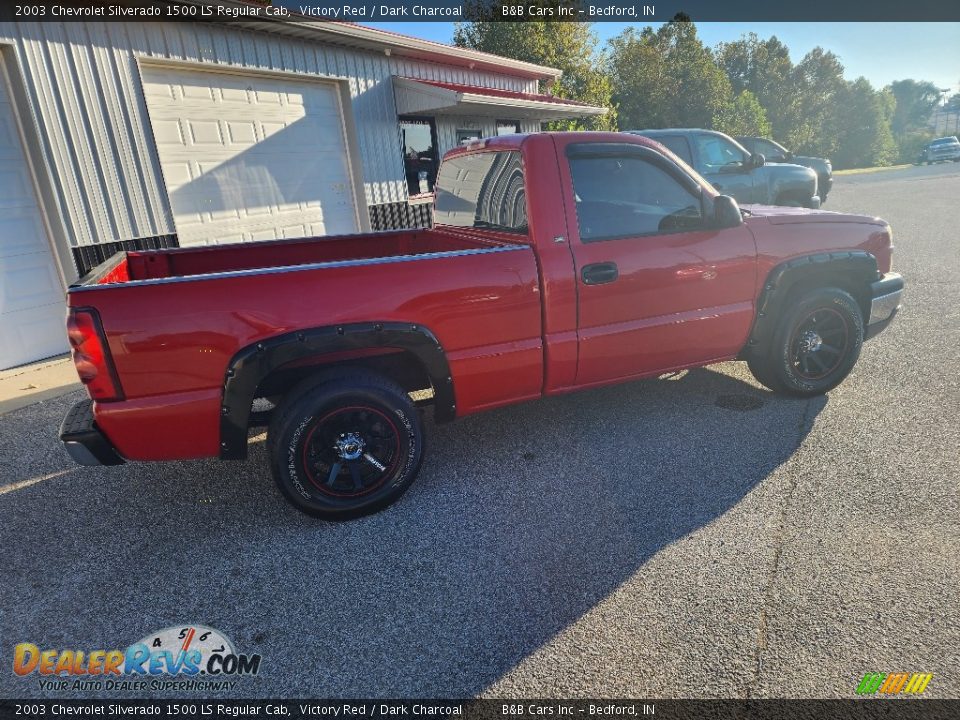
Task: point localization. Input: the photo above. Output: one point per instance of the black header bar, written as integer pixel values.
(513, 709)
(372, 11)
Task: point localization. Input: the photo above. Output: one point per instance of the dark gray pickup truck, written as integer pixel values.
(733, 170)
(774, 152)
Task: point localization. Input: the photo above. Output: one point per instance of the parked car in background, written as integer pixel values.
(557, 262)
(733, 170)
(774, 152)
(941, 150)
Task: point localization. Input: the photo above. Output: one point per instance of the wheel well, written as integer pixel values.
(400, 366)
(408, 354)
(856, 285)
(797, 196)
(851, 271)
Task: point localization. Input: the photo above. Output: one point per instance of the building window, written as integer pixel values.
(418, 142)
(508, 127)
(465, 136)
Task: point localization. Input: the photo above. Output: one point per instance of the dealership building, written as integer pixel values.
(119, 135)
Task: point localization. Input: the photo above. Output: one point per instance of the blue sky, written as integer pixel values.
(881, 52)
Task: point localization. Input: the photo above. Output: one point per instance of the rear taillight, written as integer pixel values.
(91, 356)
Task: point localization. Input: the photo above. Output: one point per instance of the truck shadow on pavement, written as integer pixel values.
(521, 522)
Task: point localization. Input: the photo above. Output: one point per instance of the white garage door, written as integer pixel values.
(32, 310)
(250, 157)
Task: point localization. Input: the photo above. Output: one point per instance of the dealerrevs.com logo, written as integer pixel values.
(187, 657)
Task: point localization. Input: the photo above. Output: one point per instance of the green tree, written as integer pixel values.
(818, 87)
(800, 100)
(569, 46)
(743, 116)
(916, 100)
(863, 123)
(764, 68)
(666, 78)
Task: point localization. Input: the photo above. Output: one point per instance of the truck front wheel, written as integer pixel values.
(345, 447)
(814, 347)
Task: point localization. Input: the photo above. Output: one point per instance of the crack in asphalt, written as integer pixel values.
(803, 429)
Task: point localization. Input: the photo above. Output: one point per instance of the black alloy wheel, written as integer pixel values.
(345, 445)
(815, 346)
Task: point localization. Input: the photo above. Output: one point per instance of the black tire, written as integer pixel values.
(346, 445)
(815, 346)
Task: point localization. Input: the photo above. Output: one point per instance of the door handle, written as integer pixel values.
(599, 273)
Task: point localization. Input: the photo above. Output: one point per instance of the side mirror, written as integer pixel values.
(756, 160)
(726, 212)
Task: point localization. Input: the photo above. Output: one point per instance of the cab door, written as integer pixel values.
(657, 288)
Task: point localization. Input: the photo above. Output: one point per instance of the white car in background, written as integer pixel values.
(941, 150)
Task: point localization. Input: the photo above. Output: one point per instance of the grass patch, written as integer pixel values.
(858, 171)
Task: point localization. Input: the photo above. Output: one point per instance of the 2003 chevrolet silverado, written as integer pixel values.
(557, 262)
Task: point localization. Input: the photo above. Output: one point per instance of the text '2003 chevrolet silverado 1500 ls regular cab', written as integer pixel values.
(557, 262)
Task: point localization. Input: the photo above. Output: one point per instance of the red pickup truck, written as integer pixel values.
(557, 262)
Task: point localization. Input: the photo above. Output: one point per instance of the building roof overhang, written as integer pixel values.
(419, 96)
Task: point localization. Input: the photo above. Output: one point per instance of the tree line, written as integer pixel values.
(669, 78)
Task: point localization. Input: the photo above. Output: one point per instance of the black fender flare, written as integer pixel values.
(855, 264)
(250, 365)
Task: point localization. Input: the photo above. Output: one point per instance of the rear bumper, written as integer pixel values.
(886, 295)
(83, 441)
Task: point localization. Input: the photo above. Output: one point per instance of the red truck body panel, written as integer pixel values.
(171, 340)
(511, 312)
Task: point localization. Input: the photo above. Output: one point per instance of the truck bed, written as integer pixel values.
(138, 265)
(174, 319)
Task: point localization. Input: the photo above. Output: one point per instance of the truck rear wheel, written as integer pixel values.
(345, 447)
(814, 347)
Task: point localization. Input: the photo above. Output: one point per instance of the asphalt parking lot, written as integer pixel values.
(686, 537)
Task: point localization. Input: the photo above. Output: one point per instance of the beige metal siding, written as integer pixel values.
(83, 82)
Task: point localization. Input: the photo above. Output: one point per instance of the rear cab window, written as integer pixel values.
(678, 145)
(483, 190)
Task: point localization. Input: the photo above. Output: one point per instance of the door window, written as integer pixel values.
(622, 196)
(771, 151)
(718, 153)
